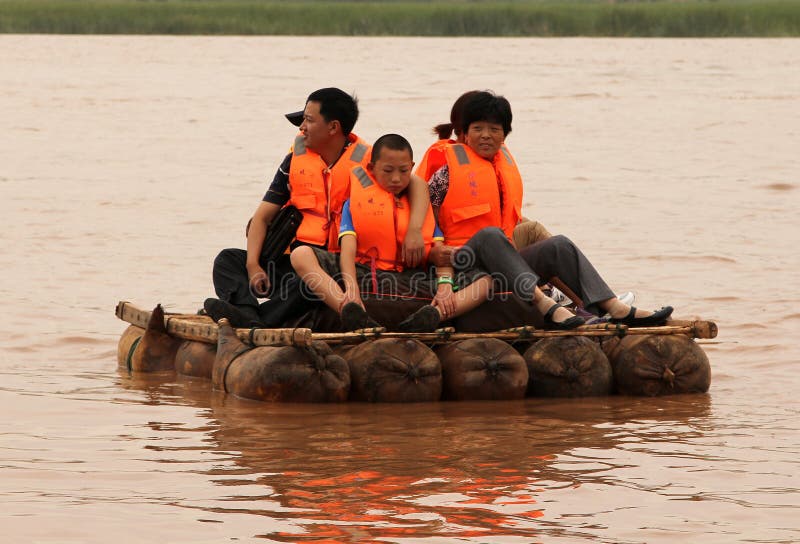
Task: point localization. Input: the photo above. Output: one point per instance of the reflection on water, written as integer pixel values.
(359, 472)
(127, 162)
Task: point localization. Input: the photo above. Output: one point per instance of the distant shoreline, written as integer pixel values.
(591, 18)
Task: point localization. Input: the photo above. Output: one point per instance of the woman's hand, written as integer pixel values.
(445, 300)
(441, 255)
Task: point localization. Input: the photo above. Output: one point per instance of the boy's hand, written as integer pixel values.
(413, 248)
(445, 300)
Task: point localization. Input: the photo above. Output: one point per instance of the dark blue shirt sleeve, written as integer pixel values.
(278, 192)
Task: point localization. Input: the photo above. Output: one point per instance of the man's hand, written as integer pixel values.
(413, 248)
(259, 281)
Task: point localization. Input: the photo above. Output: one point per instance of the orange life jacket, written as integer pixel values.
(319, 192)
(433, 159)
(381, 222)
(477, 189)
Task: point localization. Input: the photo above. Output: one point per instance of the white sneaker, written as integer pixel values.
(627, 298)
(559, 297)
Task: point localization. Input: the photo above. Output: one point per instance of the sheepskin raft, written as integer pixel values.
(375, 365)
(658, 365)
(482, 369)
(568, 367)
(393, 370)
(310, 373)
(148, 349)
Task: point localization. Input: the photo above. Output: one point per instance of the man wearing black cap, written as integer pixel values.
(313, 177)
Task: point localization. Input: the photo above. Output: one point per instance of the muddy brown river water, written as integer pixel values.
(126, 163)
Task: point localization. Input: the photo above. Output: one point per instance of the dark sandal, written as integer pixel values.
(655, 319)
(566, 325)
(426, 319)
(355, 317)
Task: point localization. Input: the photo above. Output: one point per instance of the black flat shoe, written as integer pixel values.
(354, 317)
(240, 317)
(655, 319)
(566, 325)
(426, 319)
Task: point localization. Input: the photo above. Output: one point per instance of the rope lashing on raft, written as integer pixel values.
(129, 358)
(228, 366)
(524, 333)
(295, 336)
(293, 342)
(316, 356)
(443, 335)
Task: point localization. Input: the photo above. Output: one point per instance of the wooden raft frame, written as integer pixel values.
(202, 329)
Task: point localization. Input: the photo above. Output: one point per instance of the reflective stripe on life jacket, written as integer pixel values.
(381, 221)
(319, 192)
(477, 189)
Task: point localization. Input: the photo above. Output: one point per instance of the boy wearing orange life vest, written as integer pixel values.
(314, 177)
(477, 197)
(374, 222)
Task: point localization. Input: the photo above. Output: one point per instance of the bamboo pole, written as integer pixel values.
(700, 328)
(510, 335)
(203, 329)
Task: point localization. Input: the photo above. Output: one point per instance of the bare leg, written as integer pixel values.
(470, 297)
(618, 309)
(611, 303)
(427, 318)
(305, 263)
(477, 292)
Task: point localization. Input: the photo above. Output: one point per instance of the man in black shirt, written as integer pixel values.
(310, 177)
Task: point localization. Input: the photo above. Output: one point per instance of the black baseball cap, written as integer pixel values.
(296, 118)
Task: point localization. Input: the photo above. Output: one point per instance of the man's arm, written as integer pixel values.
(275, 198)
(265, 213)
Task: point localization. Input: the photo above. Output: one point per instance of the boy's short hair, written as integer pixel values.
(336, 105)
(489, 107)
(394, 142)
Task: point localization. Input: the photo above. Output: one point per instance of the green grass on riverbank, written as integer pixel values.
(770, 18)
